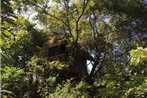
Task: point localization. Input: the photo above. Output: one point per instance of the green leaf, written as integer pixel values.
(2, 42)
(6, 91)
(137, 60)
(132, 53)
(6, 33)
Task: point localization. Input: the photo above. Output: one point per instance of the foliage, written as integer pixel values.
(13, 79)
(44, 73)
(68, 91)
(138, 56)
(110, 34)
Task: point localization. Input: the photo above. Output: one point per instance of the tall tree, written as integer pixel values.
(100, 34)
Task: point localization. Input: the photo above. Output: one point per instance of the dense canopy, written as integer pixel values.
(73, 48)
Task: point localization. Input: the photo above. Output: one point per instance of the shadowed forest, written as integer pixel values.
(73, 49)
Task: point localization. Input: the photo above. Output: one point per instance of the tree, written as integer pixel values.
(101, 31)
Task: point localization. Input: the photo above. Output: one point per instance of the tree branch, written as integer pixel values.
(77, 21)
(66, 24)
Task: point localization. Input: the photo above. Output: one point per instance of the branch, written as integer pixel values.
(92, 25)
(130, 59)
(77, 21)
(66, 24)
(93, 68)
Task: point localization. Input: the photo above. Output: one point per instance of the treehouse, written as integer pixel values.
(56, 49)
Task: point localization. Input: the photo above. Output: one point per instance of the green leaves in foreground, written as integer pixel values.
(68, 91)
(138, 55)
(13, 82)
(11, 72)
